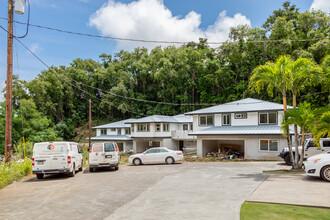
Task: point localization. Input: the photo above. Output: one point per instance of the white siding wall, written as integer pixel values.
(169, 143)
(217, 120)
(252, 119)
(152, 132)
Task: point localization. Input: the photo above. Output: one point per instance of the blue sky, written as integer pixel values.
(182, 20)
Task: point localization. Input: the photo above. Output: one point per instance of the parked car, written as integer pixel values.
(310, 149)
(318, 165)
(104, 154)
(156, 155)
(56, 157)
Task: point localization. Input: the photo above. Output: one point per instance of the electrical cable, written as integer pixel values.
(38, 58)
(27, 24)
(163, 41)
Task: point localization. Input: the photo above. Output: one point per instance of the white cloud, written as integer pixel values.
(35, 47)
(151, 20)
(323, 5)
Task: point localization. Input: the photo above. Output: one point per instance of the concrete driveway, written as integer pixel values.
(179, 191)
(294, 189)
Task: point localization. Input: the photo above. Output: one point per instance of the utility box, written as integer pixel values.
(19, 6)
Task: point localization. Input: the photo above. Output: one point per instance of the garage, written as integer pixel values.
(224, 145)
(143, 145)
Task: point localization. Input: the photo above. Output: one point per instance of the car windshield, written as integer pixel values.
(109, 147)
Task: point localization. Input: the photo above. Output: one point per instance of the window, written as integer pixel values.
(143, 127)
(113, 129)
(166, 127)
(97, 147)
(119, 131)
(191, 127)
(185, 127)
(240, 115)
(206, 120)
(132, 127)
(326, 143)
(163, 150)
(127, 131)
(268, 118)
(226, 119)
(108, 147)
(268, 145)
(103, 131)
(158, 127)
(153, 151)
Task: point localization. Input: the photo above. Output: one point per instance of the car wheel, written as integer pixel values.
(81, 168)
(73, 173)
(40, 176)
(325, 173)
(169, 160)
(137, 162)
(288, 160)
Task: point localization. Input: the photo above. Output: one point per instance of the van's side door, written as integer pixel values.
(312, 149)
(325, 145)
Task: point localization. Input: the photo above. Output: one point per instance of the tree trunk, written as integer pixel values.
(288, 138)
(296, 159)
(302, 149)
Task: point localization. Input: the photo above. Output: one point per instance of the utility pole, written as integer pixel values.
(9, 95)
(90, 123)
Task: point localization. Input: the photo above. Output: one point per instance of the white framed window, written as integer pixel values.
(118, 131)
(127, 131)
(191, 127)
(226, 119)
(185, 127)
(166, 127)
(132, 128)
(268, 145)
(158, 127)
(267, 118)
(113, 129)
(240, 115)
(103, 131)
(143, 127)
(206, 120)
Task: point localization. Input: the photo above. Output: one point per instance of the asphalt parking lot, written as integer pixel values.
(179, 191)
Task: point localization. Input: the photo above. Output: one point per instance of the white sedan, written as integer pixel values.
(319, 166)
(156, 155)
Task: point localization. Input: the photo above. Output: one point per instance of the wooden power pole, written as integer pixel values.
(90, 123)
(9, 95)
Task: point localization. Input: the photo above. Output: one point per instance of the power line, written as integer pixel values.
(161, 41)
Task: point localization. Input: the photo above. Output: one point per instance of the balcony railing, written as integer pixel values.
(182, 135)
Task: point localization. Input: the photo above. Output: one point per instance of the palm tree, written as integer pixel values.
(304, 117)
(323, 128)
(274, 76)
(303, 72)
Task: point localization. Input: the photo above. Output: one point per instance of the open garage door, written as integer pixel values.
(142, 146)
(230, 146)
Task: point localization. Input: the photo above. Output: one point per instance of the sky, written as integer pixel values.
(169, 20)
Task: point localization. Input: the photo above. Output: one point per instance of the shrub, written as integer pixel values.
(13, 171)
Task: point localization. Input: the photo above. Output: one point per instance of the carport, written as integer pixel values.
(216, 144)
(143, 145)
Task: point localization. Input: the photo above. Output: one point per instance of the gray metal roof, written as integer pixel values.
(112, 138)
(241, 130)
(162, 119)
(244, 105)
(117, 124)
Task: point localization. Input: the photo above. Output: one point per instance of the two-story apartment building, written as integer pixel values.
(162, 131)
(116, 131)
(249, 126)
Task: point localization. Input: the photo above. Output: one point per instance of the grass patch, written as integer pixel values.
(284, 171)
(14, 171)
(253, 211)
(124, 158)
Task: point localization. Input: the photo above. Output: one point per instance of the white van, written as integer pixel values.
(104, 154)
(56, 157)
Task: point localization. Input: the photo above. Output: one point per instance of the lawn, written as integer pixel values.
(252, 210)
